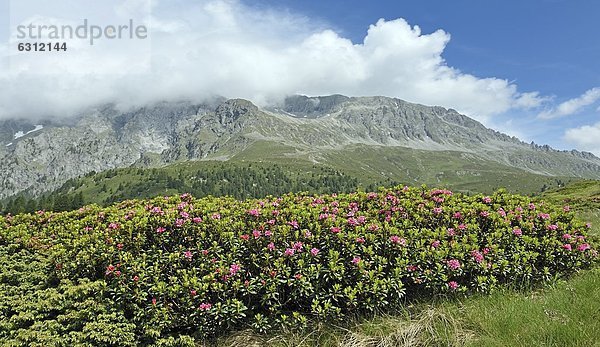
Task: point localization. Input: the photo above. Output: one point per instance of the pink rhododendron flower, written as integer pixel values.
(566, 236)
(193, 292)
(197, 220)
(293, 224)
(160, 230)
(435, 244)
(307, 234)
(451, 232)
(234, 268)
(314, 251)
(335, 230)
(518, 232)
(457, 215)
(113, 226)
(486, 250)
(583, 247)
(411, 268)
(356, 260)
(543, 216)
(188, 255)
(453, 264)
(360, 240)
(216, 216)
(179, 222)
(588, 225)
(453, 285)
(184, 215)
(397, 240)
(205, 252)
(437, 210)
(373, 227)
(352, 222)
(254, 212)
(289, 252)
(153, 301)
(297, 276)
(438, 199)
(487, 199)
(204, 306)
(157, 210)
(256, 233)
(484, 214)
(120, 246)
(136, 278)
(531, 206)
(552, 227)
(567, 246)
(462, 226)
(268, 233)
(271, 246)
(477, 256)
(245, 237)
(298, 246)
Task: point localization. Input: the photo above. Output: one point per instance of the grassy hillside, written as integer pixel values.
(583, 197)
(265, 168)
(370, 164)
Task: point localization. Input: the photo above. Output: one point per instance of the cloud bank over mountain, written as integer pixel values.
(227, 48)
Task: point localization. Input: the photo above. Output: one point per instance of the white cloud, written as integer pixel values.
(572, 106)
(586, 137)
(226, 48)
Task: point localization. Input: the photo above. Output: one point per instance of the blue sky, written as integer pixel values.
(527, 68)
(549, 46)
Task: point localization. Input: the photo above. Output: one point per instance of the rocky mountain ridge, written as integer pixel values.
(105, 138)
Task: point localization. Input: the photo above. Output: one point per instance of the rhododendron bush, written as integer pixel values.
(179, 266)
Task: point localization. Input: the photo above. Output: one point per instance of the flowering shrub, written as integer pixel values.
(199, 267)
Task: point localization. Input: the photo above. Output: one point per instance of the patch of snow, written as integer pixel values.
(37, 128)
(9, 144)
(20, 133)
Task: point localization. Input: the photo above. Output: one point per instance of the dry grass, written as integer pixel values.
(430, 327)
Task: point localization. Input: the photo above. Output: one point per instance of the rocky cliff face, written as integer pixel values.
(36, 157)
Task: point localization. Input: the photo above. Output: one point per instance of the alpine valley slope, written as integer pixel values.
(378, 137)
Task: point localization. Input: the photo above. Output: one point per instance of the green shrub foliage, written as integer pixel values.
(173, 270)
